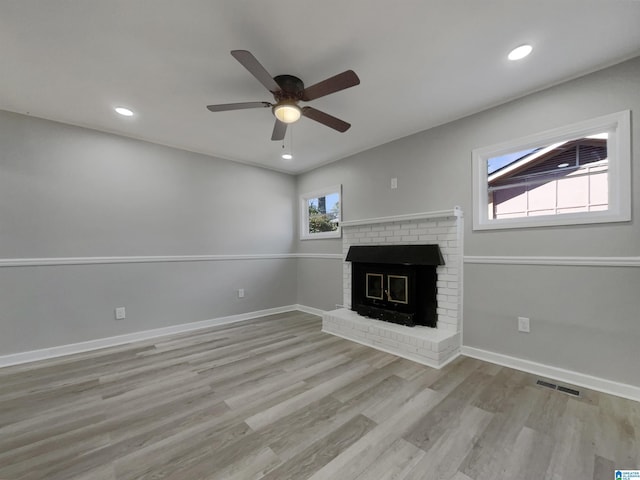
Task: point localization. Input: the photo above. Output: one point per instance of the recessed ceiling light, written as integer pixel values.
(287, 156)
(124, 111)
(563, 165)
(520, 52)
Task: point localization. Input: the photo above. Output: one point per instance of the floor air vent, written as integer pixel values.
(542, 383)
(560, 388)
(570, 391)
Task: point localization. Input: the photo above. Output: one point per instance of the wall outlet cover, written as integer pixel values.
(121, 313)
(523, 324)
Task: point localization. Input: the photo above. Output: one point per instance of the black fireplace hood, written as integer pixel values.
(396, 254)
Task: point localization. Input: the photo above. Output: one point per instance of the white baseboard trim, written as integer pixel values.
(568, 376)
(311, 310)
(62, 350)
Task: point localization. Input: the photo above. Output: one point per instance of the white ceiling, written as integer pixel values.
(421, 63)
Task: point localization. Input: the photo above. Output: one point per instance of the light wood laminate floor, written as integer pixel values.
(275, 398)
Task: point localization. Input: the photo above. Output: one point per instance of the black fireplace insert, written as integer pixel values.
(395, 283)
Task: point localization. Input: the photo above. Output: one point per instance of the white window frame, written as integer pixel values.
(304, 214)
(618, 125)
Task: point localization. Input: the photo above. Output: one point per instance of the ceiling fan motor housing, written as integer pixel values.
(290, 87)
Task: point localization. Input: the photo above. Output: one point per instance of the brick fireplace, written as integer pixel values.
(424, 344)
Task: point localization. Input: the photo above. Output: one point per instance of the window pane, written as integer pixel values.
(563, 177)
(324, 213)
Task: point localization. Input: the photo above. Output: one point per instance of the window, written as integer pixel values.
(571, 175)
(320, 214)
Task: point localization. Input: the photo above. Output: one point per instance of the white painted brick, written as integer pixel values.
(410, 238)
(427, 224)
(452, 259)
(372, 234)
(447, 305)
(427, 353)
(446, 236)
(429, 238)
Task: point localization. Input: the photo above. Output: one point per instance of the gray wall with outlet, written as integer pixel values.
(581, 318)
(72, 192)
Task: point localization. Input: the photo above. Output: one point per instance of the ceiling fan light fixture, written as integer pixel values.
(287, 112)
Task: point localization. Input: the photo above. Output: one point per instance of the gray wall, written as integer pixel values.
(319, 283)
(582, 318)
(72, 192)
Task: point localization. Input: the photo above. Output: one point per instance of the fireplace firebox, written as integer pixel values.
(395, 283)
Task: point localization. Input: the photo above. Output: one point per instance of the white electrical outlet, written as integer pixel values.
(241, 293)
(394, 183)
(523, 324)
(121, 313)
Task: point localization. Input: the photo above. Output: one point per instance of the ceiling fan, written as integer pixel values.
(287, 92)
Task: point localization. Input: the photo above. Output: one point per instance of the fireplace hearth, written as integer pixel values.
(395, 283)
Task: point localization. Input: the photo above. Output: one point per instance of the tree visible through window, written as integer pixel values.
(321, 214)
(324, 213)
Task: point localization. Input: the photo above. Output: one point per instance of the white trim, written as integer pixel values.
(619, 152)
(455, 212)
(311, 310)
(460, 233)
(560, 261)
(327, 256)
(54, 261)
(90, 345)
(624, 390)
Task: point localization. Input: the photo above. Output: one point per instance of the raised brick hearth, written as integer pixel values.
(431, 346)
